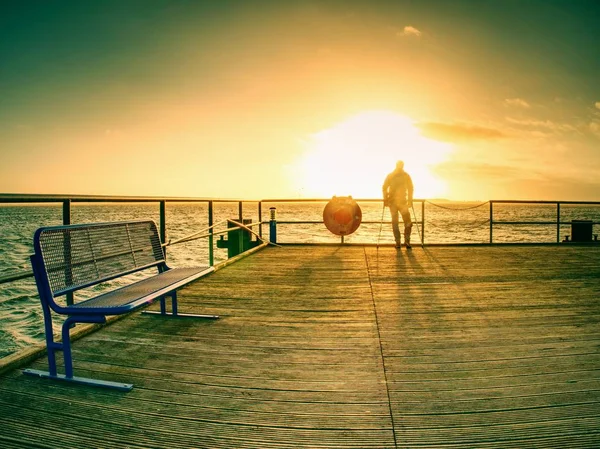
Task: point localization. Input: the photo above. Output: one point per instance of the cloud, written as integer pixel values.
(480, 170)
(456, 132)
(544, 124)
(509, 181)
(516, 102)
(410, 31)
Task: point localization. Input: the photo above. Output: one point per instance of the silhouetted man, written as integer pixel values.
(398, 196)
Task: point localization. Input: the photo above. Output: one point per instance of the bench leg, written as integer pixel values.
(174, 312)
(66, 338)
(68, 359)
(51, 345)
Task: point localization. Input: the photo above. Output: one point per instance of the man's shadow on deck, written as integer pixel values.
(414, 289)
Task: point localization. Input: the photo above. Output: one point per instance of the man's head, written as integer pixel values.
(400, 165)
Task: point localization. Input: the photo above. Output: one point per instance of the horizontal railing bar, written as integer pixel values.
(539, 222)
(325, 200)
(109, 199)
(15, 276)
(50, 198)
(542, 202)
(321, 222)
(26, 197)
(280, 222)
(421, 200)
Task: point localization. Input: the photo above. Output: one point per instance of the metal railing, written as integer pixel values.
(420, 222)
(66, 202)
(492, 222)
(557, 222)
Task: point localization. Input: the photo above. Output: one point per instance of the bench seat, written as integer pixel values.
(71, 258)
(132, 296)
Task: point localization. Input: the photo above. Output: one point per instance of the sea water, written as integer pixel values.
(21, 320)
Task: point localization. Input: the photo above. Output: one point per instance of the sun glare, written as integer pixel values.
(354, 156)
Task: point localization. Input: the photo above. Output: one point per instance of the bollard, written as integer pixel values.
(273, 225)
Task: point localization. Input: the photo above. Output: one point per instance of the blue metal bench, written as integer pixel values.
(72, 257)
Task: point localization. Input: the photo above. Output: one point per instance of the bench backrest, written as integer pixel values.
(72, 257)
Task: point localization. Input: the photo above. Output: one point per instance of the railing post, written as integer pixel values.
(273, 225)
(423, 222)
(491, 221)
(211, 255)
(558, 222)
(66, 213)
(239, 231)
(163, 224)
(260, 218)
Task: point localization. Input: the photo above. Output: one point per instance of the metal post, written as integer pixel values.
(423, 222)
(240, 231)
(163, 224)
(491, 221)
(211, 255)
(557, 222)
(66, 213)
(417, 223)
(273, 225)
(260, 218)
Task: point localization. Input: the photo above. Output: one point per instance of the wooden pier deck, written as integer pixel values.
(342, 347)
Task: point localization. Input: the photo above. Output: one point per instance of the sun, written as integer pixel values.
(354, 156)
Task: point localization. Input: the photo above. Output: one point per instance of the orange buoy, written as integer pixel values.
(342, 215)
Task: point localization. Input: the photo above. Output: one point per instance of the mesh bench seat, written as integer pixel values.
(130, 297)
(74, 257)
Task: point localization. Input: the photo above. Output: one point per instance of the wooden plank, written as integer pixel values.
(343, 347)
(491, 347)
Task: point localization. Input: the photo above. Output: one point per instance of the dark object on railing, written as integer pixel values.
(342, 215)
(238, 240)
(70, 258)
(581, 230)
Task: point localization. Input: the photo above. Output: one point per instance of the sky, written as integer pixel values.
(482, 99)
